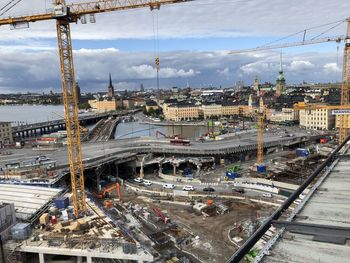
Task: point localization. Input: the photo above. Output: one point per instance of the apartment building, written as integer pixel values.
(229, 109)
(5, 134)
(211, 109)
(180, 112)
(287, 114)
(317, 119)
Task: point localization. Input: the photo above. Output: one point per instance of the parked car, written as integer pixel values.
(268, 195)
(208, 189)
(42, 158)
(138, 180)
(188, 188)
(168, 186)
(147, 183)
(239, 190)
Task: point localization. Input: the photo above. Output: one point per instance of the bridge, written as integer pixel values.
(31, 130)
(103, 151)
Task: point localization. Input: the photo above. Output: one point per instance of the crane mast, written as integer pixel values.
(260, 157)
(344, 101)
(64, 15)
(70, 102)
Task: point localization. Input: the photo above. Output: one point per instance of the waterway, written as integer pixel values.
(26, 114)
(136, 129)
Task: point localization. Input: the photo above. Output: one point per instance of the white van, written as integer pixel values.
(188, 188)
(269, 195)
(168, 186)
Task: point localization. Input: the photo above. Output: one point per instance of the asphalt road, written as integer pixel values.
(112, 147)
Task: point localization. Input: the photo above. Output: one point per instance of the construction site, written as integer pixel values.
(79, 196)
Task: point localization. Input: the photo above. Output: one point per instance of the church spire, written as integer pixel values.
(110, 79)
(110, 86)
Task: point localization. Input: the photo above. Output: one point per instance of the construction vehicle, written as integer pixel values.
(107, 191)
(233, 168)
(165, 219)
(65, 14)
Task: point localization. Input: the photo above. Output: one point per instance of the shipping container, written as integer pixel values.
(61, 202)
(21, 231)
(301, 152)
(261, 168)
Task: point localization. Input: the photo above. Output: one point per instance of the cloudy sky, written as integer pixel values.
(194, 40)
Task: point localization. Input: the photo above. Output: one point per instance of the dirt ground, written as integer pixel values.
(213, 243)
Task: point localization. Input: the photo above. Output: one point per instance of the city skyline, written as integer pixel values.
(192, 48)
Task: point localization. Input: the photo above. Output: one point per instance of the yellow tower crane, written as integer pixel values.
(64, 14)
(345, 89)
(261, 116)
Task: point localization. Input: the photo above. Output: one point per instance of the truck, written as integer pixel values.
(231, 175)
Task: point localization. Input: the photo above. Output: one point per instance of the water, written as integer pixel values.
(135, 129)
(23, 114)
(30, 114)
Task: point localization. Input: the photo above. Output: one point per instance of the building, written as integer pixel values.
(180, 112)
(317, 119)
(290, 114)
(139, 102)
(142, 88)
(211, 109)
(167, 103)
(286, 115)
(93, 103)
(5, 134)
(78, 92)
(230, 109)
(151, 104)
(106, 105)
(280, 81)
(128, 104)
(110, 87)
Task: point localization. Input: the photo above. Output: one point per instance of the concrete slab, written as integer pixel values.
(329, 206)
(27, 199)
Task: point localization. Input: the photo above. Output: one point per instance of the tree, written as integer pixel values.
(84, 106)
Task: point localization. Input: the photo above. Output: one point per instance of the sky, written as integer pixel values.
(193, 40)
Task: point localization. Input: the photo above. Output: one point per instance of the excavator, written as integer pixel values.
(106, 192)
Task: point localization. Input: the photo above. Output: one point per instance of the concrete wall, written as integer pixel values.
(7, 218)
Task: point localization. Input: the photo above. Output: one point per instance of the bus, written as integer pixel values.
(180, 142)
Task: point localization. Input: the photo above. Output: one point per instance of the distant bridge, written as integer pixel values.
(31, 130)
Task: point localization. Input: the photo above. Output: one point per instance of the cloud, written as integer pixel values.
(24, 70)
(193, 19)
(257, 67)
(299, 65)
(224, 72)
(331, 68)
(148, 72)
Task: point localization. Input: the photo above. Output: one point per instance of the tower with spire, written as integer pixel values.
(280, 81)
(110, 87)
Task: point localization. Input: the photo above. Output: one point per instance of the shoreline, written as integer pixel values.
(172, 123)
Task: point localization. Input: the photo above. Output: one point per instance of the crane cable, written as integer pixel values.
(156, 44)
(338, 22)
(8, 6)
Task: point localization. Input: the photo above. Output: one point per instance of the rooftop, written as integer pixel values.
(27, 199)
(320, 231)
